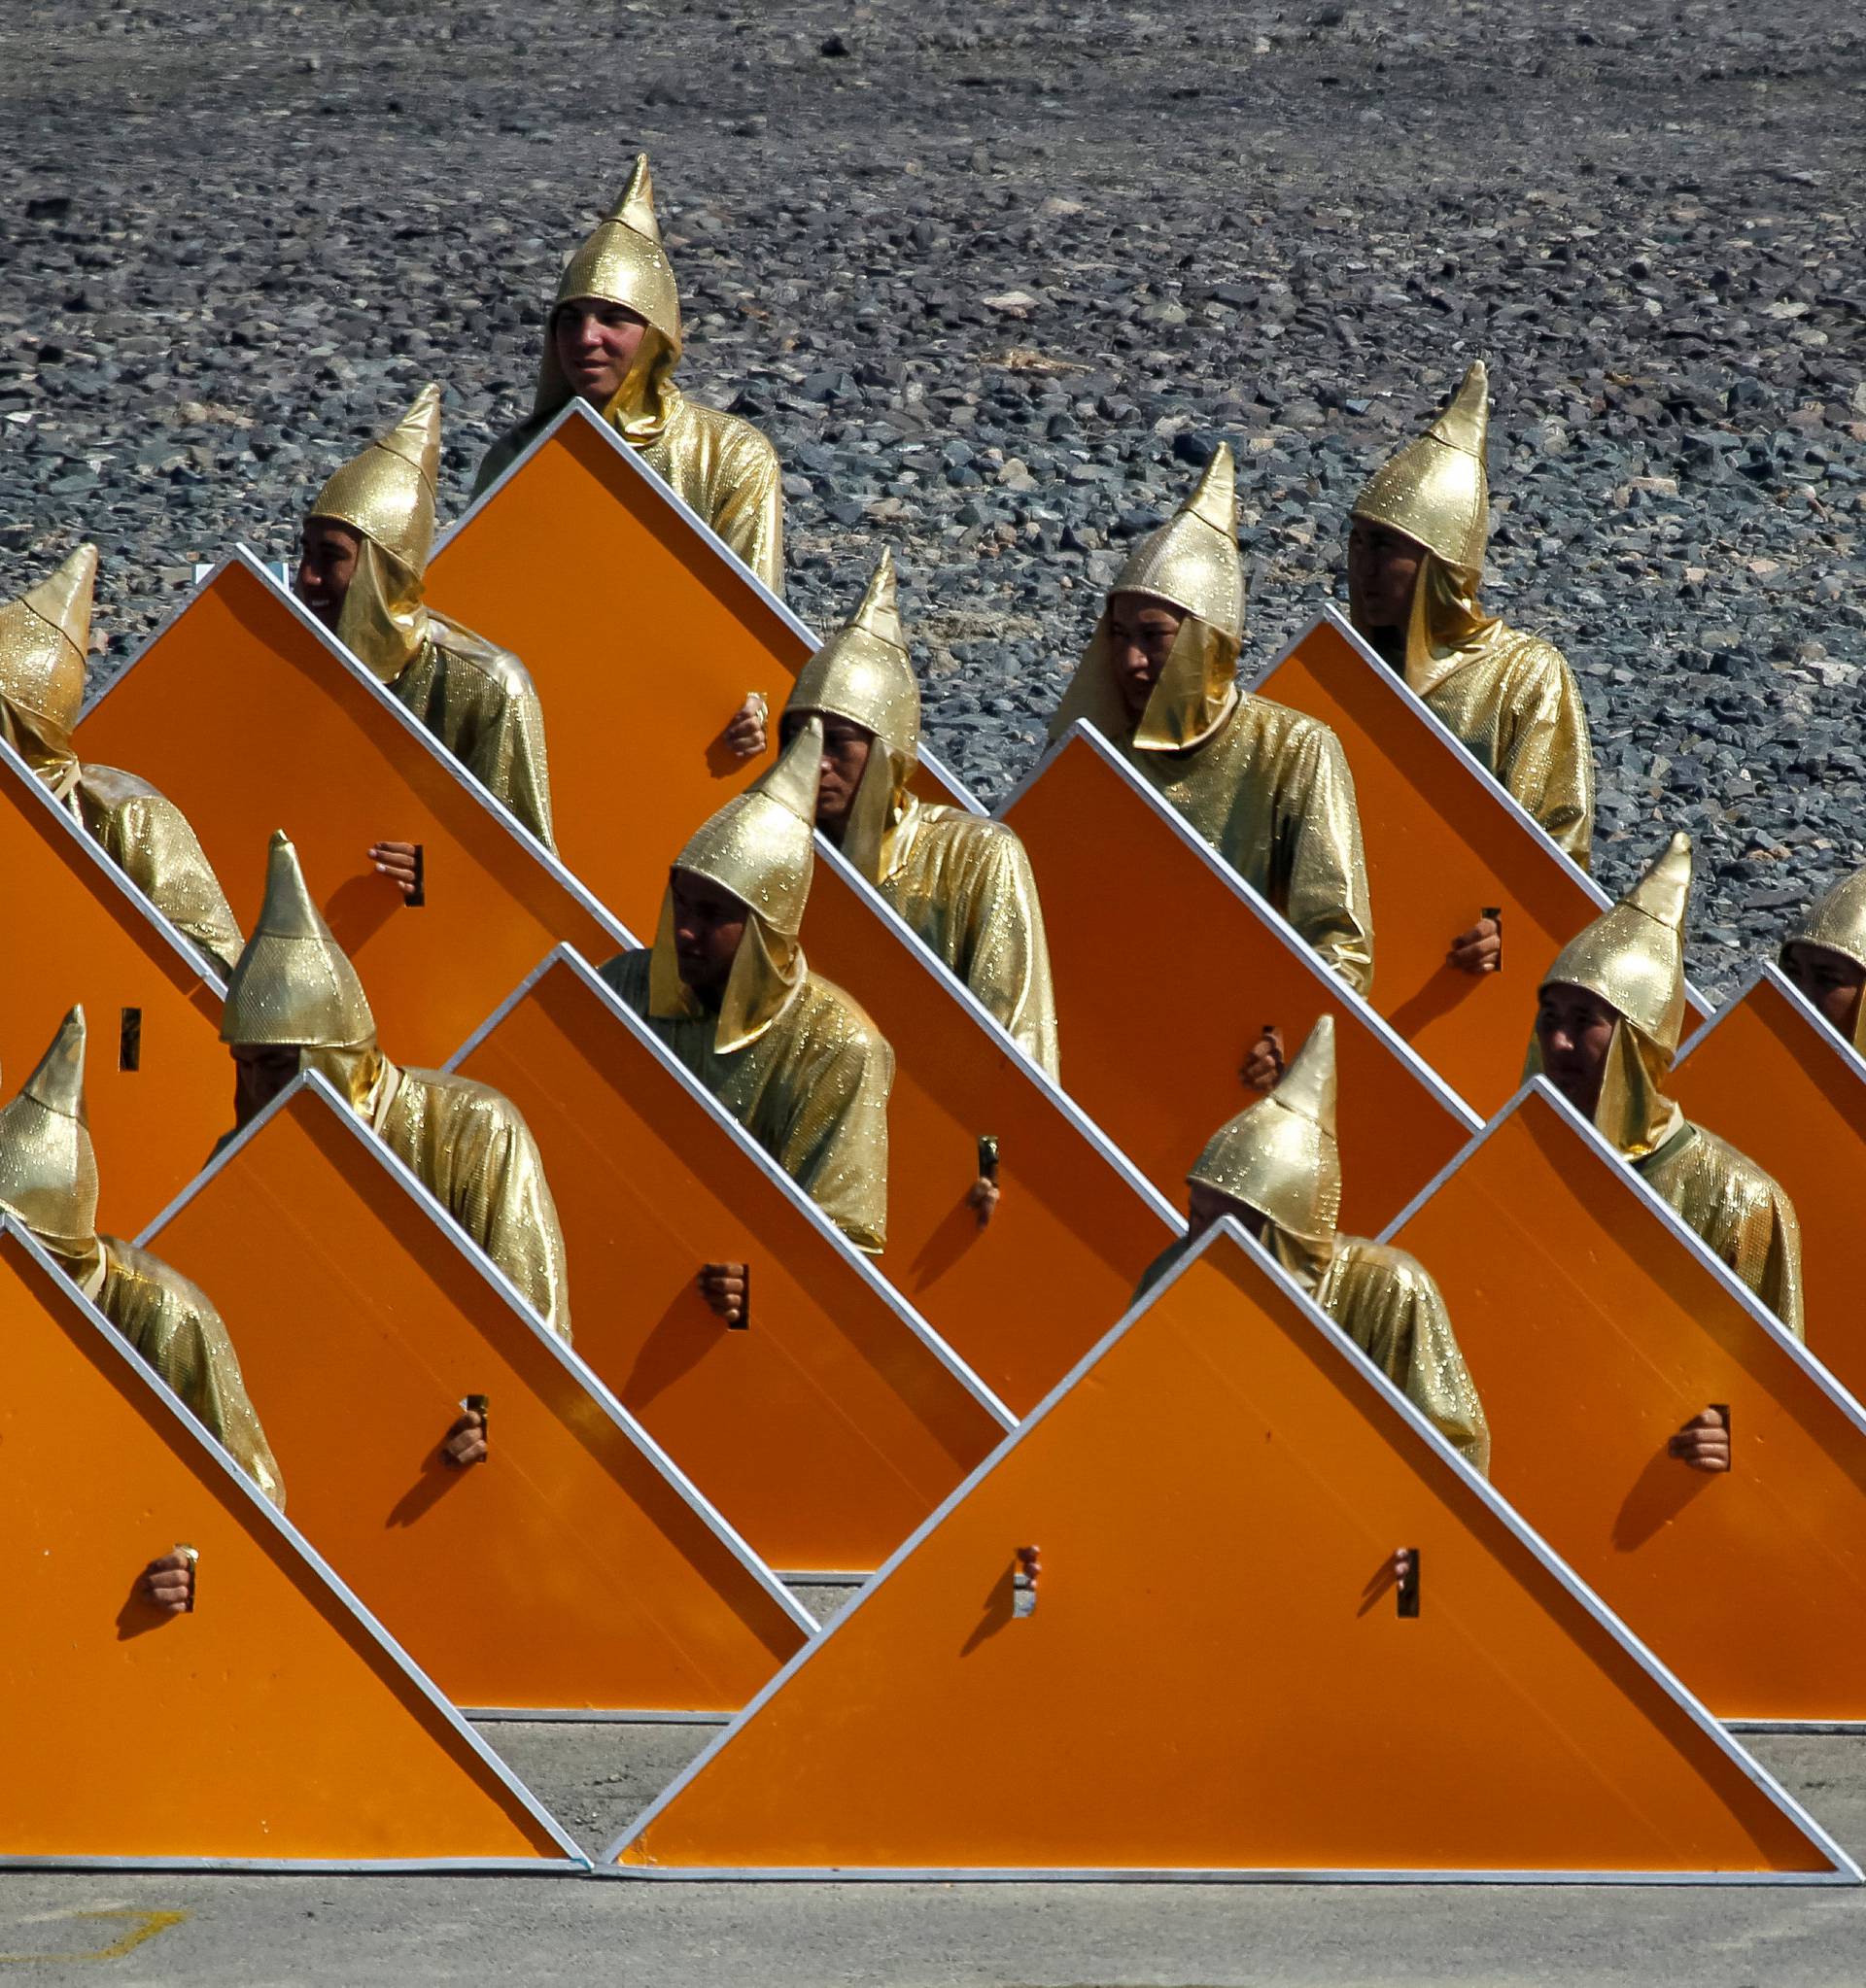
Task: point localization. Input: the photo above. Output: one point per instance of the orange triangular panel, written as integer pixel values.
(1214, 1678)
(576, 1568)
(158, 1081)
(835, 1421)
(1166, 968)
(1773, 1079)
(276, 1723)
(1596, 1325)
(251, 717)
(1022, 1300)
(701, 633)
(1444, 843)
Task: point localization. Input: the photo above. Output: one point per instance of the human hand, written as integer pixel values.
(399, 862)
(1704, 1442)
(744, 734)
(466, 1442)
(168, 1584)
(1480, 951)
(1262, 1069)
(727, 1289)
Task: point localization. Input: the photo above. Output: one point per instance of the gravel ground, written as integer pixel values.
(995, 279)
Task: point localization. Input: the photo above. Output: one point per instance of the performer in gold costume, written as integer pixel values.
(296, 1004)
(44, 636)
(1825, 957)
(1276, 1167)
(613, 340)
(726, 988)
(365, 548)
(962, 882)
(1268, 788)
(1415, 563)
(48, 1182)
(1607, 1027)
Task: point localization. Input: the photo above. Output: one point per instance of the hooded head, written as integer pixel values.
(1191, 564)
(623, 262)
(760, 849)
(47, 1167)
(1436, 491)
(1631, 958)
(862, 674)
(386, 495)
(1838, 924)
(1279, 1158)
(45, 636)
(294, 987)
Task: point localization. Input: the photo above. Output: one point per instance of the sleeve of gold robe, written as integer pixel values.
(1401, 1324)
(507, 756)
(1764, 1251)
(174, 1327)
(1547, 756)
(1006, 964)
(1325, 871)
(149, 841)
(749, 506)
(834, 1138)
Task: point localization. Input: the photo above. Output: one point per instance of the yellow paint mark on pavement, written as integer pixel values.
(147, 1925)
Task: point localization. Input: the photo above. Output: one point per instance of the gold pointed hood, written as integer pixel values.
(1279, 1157)
(760, 847)
(1632, 957)
(45, 636)
(1838, 922)
(1435, 489)
(47, 1166)
(294, 987)
(863, 673)
(623, 262)
(388, 495)
(1192, 564)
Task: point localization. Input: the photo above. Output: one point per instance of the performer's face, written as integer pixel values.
(1575, 1030)
(595, 343)
(1141, 630)
(327, 564)
(1383, 569)
(1829, 980)
(259, 1073)
(846, 750)
(709, 922)
(1206, 1205)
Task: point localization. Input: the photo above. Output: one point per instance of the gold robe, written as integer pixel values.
(479, 702)
(811, 1089)
(1512, 703)
(718, 464)
(1745, 1219)
(472, 1151)
(174, 1327)
(1386, 1303)
(964, 884)
(1272, 793)
(149, 841)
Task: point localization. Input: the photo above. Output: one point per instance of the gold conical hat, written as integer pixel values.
(45, 636)
(387, 492)
(1631, 956)
(624, 262)
(294, 987)
(862, 673)
(1192, 562)
(1838, 921)
(47, 1166)
(1434, 490)
(1279, 1155)
(761, 844)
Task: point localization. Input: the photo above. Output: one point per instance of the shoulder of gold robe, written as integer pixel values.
(1741, 1211)
(151, 842)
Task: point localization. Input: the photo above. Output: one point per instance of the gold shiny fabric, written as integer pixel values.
(49, 1182)
(963, 884)
(174, 1327)
(1741, 1214)
(1267, 787)
(1509, 698)
(811, 1089)
(1631, 956)
(43, 637)
(1838, 922)
(720, 467)
(475, 697)
(1279, 1158)
(294, 987)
